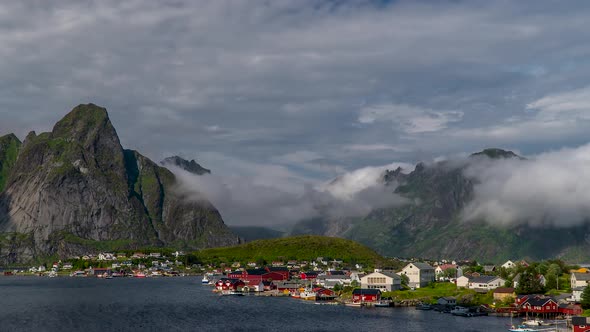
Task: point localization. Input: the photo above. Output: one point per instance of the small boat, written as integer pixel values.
(521, 328)
(232, 293)
(308, 294)
(205, 280)
(423, 307)
(459, 311)
(534, 322)
(139, 275)
(52, 274)
(384, 304)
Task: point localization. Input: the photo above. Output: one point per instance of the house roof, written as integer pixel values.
(483, 279)
(390, 274)
(504, 290)
(423, 266)
(582, 276)
(580, 321)
(538, 301)
(363, 291)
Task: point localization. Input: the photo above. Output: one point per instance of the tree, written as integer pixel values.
(585, 300)
(405, 280)
(450, 273)
(529, 282)
(552, 276)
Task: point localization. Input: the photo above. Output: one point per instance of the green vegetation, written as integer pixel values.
(435, 291)
(585, 300)
(108, 246)
(299, 247)
(9, 147)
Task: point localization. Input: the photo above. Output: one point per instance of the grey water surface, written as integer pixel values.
(183, 304)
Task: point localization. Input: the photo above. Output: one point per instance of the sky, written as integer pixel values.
(288, 94)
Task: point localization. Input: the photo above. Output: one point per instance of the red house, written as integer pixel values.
(324, 293)
(255, 276)
(280, 270)
(581, 324)
(360, 295)
(540, 305)
(225, 284)
(570, 309)
(308, 275)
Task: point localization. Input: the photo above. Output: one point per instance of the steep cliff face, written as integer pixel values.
(9, 146)
(76, 184)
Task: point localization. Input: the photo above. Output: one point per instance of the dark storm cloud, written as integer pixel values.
(316, 87)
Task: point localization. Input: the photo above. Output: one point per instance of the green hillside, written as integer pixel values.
(306, 247)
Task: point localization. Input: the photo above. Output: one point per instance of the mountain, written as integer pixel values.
(430, 225)
(189, 166)
(252, 233)
(68, 190)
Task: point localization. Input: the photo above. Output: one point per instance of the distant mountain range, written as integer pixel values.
(430, 224)
(75, 188)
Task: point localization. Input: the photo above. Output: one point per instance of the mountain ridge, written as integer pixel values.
(77, 182)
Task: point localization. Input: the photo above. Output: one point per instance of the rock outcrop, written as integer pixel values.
(69, 189)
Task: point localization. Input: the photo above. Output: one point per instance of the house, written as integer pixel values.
(462, 281)
(489, 268)
(570, 309)
(361, 295)
(288, 287)
(385, 281)
(227, 284)
(255, 276)
(577, 294)
(509, 264)
(419, 274)
(540, 305)
(579, 279)
(581, 324)
(486, 283)
(502, 293)
(324, 293)
(284, 271)
(447, 300)
(310, 275)
(67, 266)
(99, 272)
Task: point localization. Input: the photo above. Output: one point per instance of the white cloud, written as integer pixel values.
(273, 198)
(410, 119)
(549, 189)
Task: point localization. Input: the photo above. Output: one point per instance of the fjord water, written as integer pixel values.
(183, 304)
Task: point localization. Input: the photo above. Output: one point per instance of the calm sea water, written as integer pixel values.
(183, 304)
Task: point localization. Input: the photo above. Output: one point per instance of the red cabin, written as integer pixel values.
(308, 275)
(581, 324)
(255, 276)
(570, 309)
(360, 295)
(540, 305)
(230, 284)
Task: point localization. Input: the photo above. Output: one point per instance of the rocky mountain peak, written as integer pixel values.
(495, 153)
(189, 166)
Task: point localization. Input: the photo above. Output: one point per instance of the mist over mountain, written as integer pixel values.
(63, 191)
(491, 205)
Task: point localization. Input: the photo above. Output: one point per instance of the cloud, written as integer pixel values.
(548, 189)
(409, 119)
(277, 201)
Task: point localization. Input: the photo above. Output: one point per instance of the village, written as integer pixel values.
(539, 292)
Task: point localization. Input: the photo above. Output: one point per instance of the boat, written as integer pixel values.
(423, 307)
(52, 274)
(521, 328)
(78, 274)
(232, 293)
(205, 280)
(139, 275)
(384, 304)
(534, 322)
(308, 294)
(459, 311)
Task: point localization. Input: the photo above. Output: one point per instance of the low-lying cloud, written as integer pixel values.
(247, 201)
(550, 189)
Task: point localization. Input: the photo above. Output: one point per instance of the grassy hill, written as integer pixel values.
(307, 247)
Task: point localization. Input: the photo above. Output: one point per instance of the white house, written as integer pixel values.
(440, 270)
(463, 281)
(577, 294)
(509, 264)
(384, 281)
(579, 279)
(486, 282)
(419, 274)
